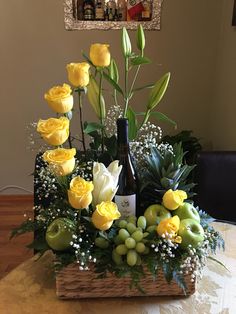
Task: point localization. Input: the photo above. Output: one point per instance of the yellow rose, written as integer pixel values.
(105, 213)
(61, 161)
(54, 131)
(59, 98)
(100, 55)
(78, 74)
(80, 193)
(173, 199)
(169, 228)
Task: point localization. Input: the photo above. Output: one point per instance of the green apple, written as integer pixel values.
(156, 213)
(187, 210)
(191, 232)
(59, 234)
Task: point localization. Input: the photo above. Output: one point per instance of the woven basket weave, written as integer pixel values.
(72, 283)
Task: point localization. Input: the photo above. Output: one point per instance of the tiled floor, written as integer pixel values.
(13, 252)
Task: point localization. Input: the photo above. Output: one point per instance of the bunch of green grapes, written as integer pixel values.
(130, 241)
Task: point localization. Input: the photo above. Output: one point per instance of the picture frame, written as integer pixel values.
(71, 22)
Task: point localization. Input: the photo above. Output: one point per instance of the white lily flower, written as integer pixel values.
(105, 181)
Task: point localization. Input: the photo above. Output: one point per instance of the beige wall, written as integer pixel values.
(194, 44)
(223, 108)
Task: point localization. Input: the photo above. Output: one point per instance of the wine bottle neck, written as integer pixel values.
(122, 132)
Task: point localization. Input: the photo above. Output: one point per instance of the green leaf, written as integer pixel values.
(113, 83)
(162, 117)
(167, 271)
(113, 71)
(179, 279)
(39, 244)
(140, 38)
(151, 85)
(138, 60)
(93, 97)
(87, 58)
(158, 91)
(131, 116)
(126, 44)
(92, 126)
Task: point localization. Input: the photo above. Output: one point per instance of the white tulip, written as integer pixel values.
(105, 181)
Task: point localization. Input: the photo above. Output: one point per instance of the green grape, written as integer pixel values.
(137, 235)
(132, 219)
(130, 227)
(140, 247)
(142, 222)
(121, 249)
(117, 258)
(118, 240)
(101, 243)
(123, 234)
(151, 228)
(132, 257)
(146, 251)
(122, 223)
(130, 243)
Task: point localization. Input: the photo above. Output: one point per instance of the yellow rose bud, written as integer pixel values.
(80, 193)
(169, 228)
(54, 131)
(100, 55)
(173, 199)
(61, 161)
(105, 213)
(59, 98)
(78, 74)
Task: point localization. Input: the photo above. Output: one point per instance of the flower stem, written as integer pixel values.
(135, 77)
(69, 137)
(126, 86)
(100, 108)
(81, 120)
(69, 140)
(145, 119)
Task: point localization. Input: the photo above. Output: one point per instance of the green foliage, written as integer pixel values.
(158, 91)
(191, 145)
(163, 172)
(26, 226)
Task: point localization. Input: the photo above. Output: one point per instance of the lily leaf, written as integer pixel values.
(92, 126)
(133, 128)
(113, 83)
(158, 91)
(113, 71)
(138, 60)
(93, 97)
(151, 85)
(162, 117)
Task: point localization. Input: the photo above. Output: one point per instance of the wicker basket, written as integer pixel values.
(72, 283)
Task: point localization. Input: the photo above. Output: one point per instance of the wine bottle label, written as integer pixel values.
(126, 204)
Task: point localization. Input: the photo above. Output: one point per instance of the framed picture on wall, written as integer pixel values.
(234, 14)
(112, 14)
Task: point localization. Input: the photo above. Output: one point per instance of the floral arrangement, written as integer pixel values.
(75, 215)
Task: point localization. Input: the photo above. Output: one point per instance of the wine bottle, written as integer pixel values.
(99, 11)
(126, 195)
(88, 10)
